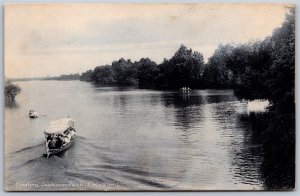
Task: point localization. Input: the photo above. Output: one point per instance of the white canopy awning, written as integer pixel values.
(59, 126)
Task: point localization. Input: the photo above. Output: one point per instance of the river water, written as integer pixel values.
(131, 139)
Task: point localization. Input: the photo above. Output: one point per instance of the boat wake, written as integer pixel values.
(84, 166)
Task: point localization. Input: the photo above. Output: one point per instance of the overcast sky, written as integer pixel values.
(43, 40)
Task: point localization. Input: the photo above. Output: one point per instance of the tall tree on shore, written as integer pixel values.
(125, 72)
(282, 72)
(11, 91)
(104, 75)
(87, 76)
(253, 71)
(266, 69)
(185, 68)
(216, 73)
(146, 72)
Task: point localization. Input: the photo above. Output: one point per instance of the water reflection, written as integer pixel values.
(206, 122)
(180, 100)
(273, 138)
(186, 109)
(244, 157)
(219, 98)
(121, 102)
(10, 103)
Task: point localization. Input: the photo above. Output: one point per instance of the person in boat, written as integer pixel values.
(33, 114)
(69, 136)
(66, 140)
(60, 141)
(30, 113)
(63, 140)
(52, 142)
(49, 137)
(72, 133)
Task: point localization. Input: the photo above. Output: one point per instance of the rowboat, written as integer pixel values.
(33, 114)
(185, 89)
(59, 135)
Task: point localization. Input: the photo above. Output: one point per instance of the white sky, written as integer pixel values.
(54, 39)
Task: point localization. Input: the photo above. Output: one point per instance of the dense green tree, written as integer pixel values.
(104, 75)
(185, 68)
(11, 90)
(252, 74)
(87, 76)
(216, 73)
(68, 77)
(266, 69)
(125, 72)
(281, 80)
(146, 72)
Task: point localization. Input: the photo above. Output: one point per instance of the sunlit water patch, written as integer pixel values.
(257, 105)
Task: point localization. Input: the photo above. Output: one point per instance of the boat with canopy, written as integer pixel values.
(59, 135)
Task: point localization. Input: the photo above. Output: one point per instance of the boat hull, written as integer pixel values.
(33, 114)
(54, 151)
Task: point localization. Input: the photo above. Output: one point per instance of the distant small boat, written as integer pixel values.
(185, 89)
(33, 114)
(59, 135)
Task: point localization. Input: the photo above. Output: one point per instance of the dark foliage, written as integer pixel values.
(216, 73)
(185, 68)
(281, 80)
(103, 75)
(259, 70)
(69, 77)
(61, 77)
(146, 72)
(124, 72)
(11, 90)
(87, 76)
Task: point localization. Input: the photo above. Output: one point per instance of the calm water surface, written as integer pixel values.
(131, 139)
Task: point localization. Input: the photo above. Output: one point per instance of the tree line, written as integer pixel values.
(185, 68)
(63, 77)
(262, 69)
